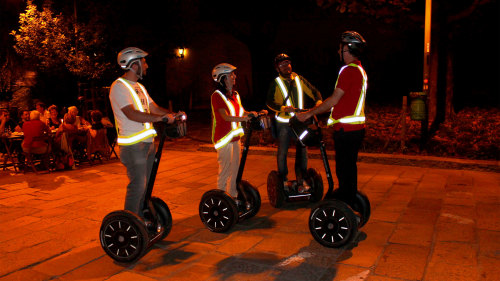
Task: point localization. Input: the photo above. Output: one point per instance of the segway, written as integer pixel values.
(124, 235)
(277, 192)
(333, 222)
(218, 210)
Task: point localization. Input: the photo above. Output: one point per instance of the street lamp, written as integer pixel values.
(180, 53)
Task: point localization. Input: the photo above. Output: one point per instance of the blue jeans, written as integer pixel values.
(138, 159)
(285, 134)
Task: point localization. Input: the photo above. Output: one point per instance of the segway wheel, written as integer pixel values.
(275, 189)
(316, 182)
(165, 217)
(253, 197)
(333, 224)
(362, 206)
(123, 236)
(218, 211)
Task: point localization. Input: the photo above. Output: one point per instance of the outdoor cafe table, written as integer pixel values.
(8, 141)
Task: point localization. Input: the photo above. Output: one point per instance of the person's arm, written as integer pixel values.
(330, 102)
(138, 116)
(312, 91)
(230, 118)
(156, 109)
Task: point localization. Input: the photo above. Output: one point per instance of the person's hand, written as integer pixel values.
(289, 109)
(170, 118)
(263, 111)
(181, 115)
(303, 116)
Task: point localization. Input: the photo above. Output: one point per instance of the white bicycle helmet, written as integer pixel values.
(129, 55)
(222, 69)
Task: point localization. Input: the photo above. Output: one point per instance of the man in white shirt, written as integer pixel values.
(134, 112)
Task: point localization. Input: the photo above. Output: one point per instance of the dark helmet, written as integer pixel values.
(281, 57)
(354, 41)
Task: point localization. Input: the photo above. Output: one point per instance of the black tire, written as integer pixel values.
(218, 211)
(253, 196)
(362, 206)
(123, 236)
(316, 182)
(165, 217)
(275, 189)
(333, 224)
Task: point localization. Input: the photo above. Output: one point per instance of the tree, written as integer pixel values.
(51, 42)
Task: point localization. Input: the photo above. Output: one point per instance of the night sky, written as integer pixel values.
(394, 57)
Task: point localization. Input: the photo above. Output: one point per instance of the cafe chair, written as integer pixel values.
(112, 140)
(97, 145)
(32, 159)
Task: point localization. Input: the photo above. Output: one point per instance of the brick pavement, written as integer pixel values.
(426, 224)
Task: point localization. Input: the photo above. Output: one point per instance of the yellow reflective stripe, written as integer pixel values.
(284, 92)
(237, 130)
(148, 130)
(348, 120)
(359, 115)
(227, 138)
(299, 92)
(234, 125)
(137, 137)
(281, 119)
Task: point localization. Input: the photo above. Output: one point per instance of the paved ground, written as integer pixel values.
(426, 224)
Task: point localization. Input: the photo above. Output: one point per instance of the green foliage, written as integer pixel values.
(51, 42)
(42, 37)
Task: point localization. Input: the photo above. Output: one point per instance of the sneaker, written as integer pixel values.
(305, 187)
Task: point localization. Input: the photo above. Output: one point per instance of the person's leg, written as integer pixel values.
(135, 159)
(224, 160)
(234, 167)
(283, 144)
(340, 160)
(347, 145)
(300, 162)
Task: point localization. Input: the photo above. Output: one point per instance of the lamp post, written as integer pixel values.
(425, 87)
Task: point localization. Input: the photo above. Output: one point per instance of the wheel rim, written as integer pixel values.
(330, 226)
(216, 213)
(121, 239)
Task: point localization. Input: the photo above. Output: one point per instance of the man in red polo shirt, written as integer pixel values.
(347, 113)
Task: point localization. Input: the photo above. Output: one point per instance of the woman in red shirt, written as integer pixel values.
(227, 113)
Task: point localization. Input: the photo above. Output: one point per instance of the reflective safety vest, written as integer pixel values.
(236, 129)
(148, 130)
(358, 116)
(284, 117)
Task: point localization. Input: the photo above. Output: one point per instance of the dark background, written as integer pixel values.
(306, 32)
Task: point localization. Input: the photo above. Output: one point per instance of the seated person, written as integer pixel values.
(53, 122)
(97, 135)
(32, 129)
(98, 122)
(23, 117)
(68, 126)
(9, 125)
(44, 113)
(80, 122)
